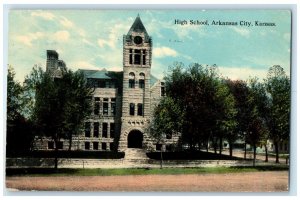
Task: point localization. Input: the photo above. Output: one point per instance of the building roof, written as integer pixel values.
(97, 74)
(138, 27)
(104, 74)
(153, 80)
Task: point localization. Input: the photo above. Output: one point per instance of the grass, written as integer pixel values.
(138, 171)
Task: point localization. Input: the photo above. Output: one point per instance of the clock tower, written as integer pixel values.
(137, 53)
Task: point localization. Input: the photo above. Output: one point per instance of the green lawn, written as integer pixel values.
(135, 171)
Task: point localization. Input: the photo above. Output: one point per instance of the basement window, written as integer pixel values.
(103, 146)
(95, 145)
(50, 145)
(87, 146)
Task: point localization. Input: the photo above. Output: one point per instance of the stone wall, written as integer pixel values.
(121, 163)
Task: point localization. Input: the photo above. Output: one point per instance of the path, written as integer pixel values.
(230, 182)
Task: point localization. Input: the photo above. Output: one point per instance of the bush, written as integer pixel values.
(71, 154)
(195, 155)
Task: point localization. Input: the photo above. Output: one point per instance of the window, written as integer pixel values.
(105, 106)
(87, 129)
(112, 84)
(112, 130)
(141, 83)
(131, 108)
(144, 57)
(142, 80)
(107, 84)
(100, 83)
(59, 145)
(130, 56)
(131, 80)
(162, 89)
(97, 106)
(50, 145)
(158, 147)
(96, 129)
(111, 146)
(169, 135)
(169, 147)
(95, 145)
(113, 106)
(104, 130)
(140, 109)
(137, 56)
(87, 146)
(103, 146)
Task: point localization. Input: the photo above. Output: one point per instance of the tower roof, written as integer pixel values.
(138, 26)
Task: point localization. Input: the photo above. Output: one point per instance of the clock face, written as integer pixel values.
(138, 40)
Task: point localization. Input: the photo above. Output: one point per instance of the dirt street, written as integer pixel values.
(231, 182)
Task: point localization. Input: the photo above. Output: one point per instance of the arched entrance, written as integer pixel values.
(135, 139)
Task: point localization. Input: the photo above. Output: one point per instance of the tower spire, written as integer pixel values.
(137, 26)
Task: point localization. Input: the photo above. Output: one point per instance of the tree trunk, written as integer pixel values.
(215, 146)
(56, 152)
(266, 152)
(277, 151)
(245, 151)
(161, 158)
(70, 143)
(230, 149)
(220, 145)
(207, 145)
(254, 154)
(55, 156)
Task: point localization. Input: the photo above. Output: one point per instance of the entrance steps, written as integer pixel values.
(135, 153)
(135, 157)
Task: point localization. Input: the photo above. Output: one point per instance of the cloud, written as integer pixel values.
(242, 72)
(43, 14)
(242, 31)
(102, 43)
(29, 38)
(87, 42)
(163, 52)
(61, 36)
(114, 35)
(66, 23)
(82, 65)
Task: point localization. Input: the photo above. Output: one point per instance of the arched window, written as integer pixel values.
(142, 80)
(131, 80)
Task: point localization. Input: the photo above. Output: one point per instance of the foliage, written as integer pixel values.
(14, 92)
(167, 119)
(205, 99)
(61, 104)
(214, 109)
(278, 116)
(70, 154)
(19, 129)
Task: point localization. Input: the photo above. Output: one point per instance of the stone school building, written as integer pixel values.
(122, 101)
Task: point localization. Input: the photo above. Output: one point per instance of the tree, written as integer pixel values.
(167, 119)
(19, 128)
(278, 115)
(257, 102)
(240, 91)
(14, 92)
(206, 100)
(61, 104)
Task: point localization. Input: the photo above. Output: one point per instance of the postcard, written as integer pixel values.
(148, 100)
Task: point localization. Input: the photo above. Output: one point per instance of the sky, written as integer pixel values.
(93, 39)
